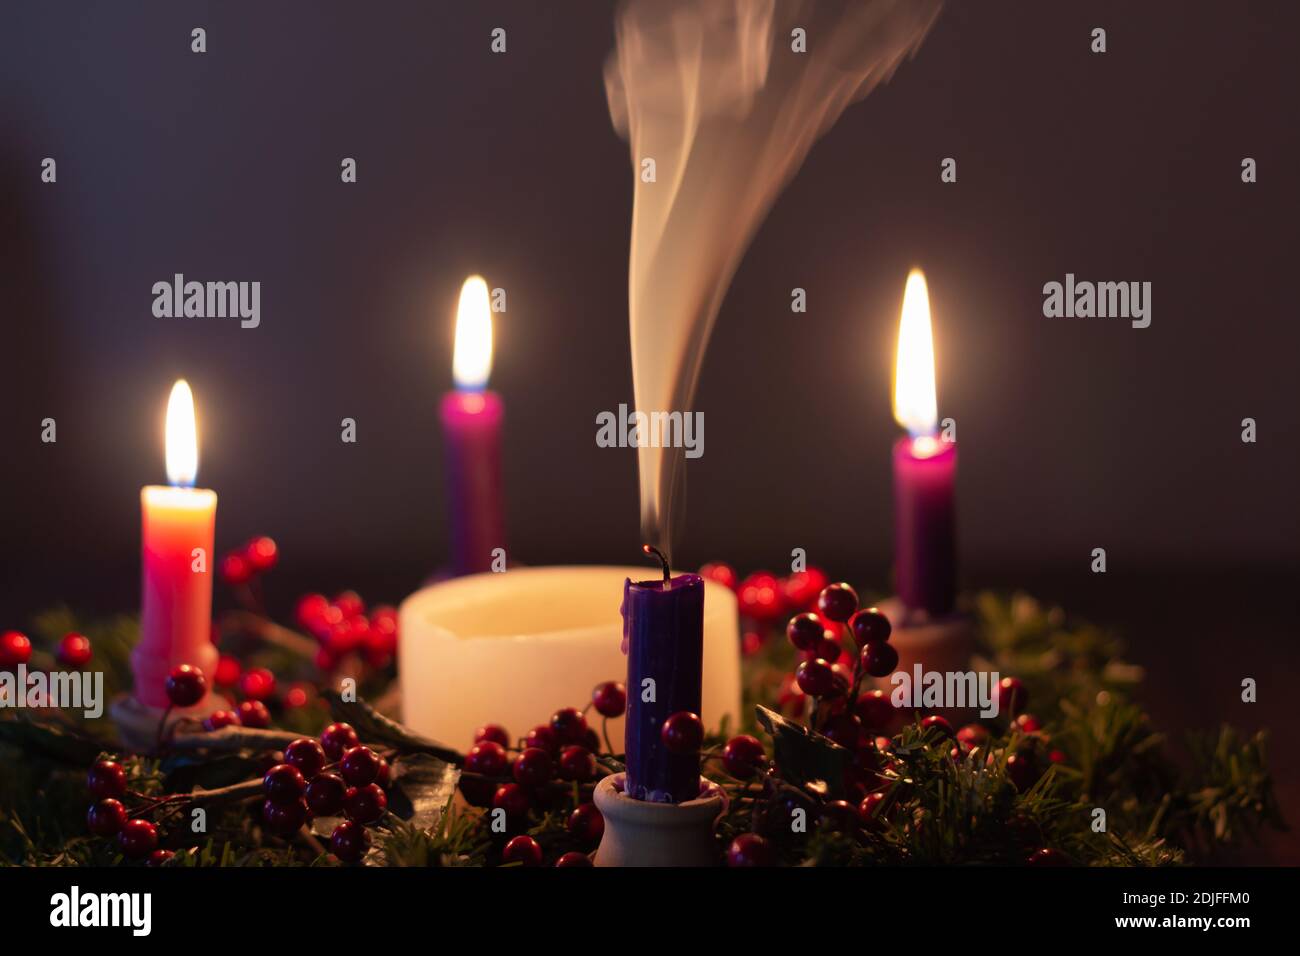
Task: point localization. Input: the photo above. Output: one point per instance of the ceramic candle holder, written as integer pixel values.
(640, 833)
(137, 723)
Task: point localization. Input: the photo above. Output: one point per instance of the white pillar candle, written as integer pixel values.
(512, 648)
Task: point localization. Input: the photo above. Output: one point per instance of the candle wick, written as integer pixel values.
(651, 549)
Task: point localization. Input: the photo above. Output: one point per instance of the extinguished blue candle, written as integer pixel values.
(663, 637)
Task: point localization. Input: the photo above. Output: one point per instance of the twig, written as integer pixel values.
(235, 738)
(270, 632)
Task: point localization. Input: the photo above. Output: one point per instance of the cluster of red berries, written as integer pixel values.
(187, 685)
(242, 565)
(764, 598)
(333, 776)
(538, 772)
(343, 627)
(74, 650)
(137, 837)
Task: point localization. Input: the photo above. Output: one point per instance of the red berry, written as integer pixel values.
(569, 725)
(543, 738)
(307, 755)
(1022, 770)
(493, 732)
(349, 603)
(837, 602)
(844, 729)
(513, 799)
(749, 849)
(235, 569)
(586, 824)
(934, 720)
(284, 783)
(577, 763)
(875, 709)
(253, 713)
(220, 718)
(349, 841)
(487, 758)
(325, 795)
(384, 776)
(365, 804)
(297, 695)
(828, 648)
(879, 659)
(107, 778)
(533, 767)
(106, 817)
(869, 625)
(840, 816)
(751, 642)
(724, 574)
(337, 738)
(257, 683)
(1028, 724)
(805, 631)
(15, 649)
(591, 740)
(801, 588)
(228, 671)
(1012, 696)
(870, 808)
(284, 819)
(760, 596)
(186, 685)
(574, 858)
(261, 554)
(359, 766)
(743, 756)
(137, 838)
(815, 678)
(75, 650)
(311, 610)
(683, 732)
(973, 735)
(610, 699)
(522, 849)
(159, 857)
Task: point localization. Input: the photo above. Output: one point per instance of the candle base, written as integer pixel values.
(640, 833)
(944, 644)
(137, 723)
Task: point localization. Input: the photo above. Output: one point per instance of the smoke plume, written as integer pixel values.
(715, 93)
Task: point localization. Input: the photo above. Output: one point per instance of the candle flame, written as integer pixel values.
(182, 441)
(915, 405)
(471, 361)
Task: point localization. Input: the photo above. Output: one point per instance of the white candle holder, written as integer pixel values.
(641, 833)
(137, 723)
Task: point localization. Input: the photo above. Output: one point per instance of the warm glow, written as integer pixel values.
(182, 436)
(471, 361)
(915, 406)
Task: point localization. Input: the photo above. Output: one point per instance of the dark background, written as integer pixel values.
(1075, 433)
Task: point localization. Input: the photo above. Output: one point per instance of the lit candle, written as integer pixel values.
(924, 467)
(663, 635)
(471, 427)
(178, 523)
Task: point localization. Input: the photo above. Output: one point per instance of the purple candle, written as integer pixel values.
(925, 564)
(471, 428)
(663, 637)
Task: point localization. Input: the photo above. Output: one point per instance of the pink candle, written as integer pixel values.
(925, 564)
(471, 428)
(176, 603)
